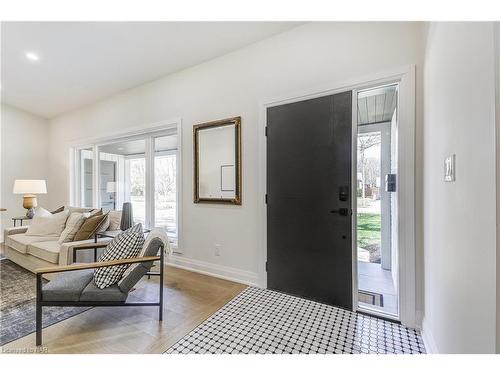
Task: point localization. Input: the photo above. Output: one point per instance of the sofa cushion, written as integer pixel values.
(21, 241)
(67, 286)
(48, 250)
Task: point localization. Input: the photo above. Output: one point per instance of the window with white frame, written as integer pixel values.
(140, 169)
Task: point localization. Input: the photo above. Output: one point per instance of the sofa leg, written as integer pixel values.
(38, 309)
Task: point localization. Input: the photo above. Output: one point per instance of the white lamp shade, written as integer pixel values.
(30, 187)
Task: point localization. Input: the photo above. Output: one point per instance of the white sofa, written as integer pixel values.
(33, 252)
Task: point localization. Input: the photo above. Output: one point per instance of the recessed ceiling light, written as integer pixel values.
(120, 148)
(32, 56)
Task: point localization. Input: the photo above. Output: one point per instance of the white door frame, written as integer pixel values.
(405, 76)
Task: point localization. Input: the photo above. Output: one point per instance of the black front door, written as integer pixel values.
(309, 251)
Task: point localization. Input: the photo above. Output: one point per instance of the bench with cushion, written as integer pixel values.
(75, 285)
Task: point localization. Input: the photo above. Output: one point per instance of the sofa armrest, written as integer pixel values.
(14, 230)
(66, 250)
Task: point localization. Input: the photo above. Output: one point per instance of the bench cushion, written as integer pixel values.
(136, 271)
(20, 241)
(48, 250)
(109, 294)
(125, 245)
(67, 286)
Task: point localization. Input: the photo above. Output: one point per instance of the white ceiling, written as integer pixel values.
(82, 62)
(377, 105)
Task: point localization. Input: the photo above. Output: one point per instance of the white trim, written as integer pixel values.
(95, 177)
(429, 342)
(130, 132)
(149, 193)
(178, 176)
(354, 206)
(215, 270)
(406, 198)
(406, 172)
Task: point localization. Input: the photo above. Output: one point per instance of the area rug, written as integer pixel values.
(264, 321)
(18, 304)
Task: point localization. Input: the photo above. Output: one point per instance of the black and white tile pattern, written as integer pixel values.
(265, 321)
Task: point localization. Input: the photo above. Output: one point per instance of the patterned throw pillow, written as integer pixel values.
(73, 224)
(126, 245)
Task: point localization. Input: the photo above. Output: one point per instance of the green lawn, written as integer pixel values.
(368, 229)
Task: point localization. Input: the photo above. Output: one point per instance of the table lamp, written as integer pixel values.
(30, 188)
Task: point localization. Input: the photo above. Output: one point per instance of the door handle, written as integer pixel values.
(340, 211)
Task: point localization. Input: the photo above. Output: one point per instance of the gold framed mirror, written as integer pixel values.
(217, 161)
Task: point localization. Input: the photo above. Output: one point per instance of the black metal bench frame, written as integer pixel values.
(41, 271)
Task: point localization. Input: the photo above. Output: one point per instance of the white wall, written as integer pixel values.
(24, 150)
(233, 85)
(497, 116)
(459, 217)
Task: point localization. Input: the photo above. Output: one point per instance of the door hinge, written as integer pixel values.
(266, 131)
(266, 266)
(265, 198)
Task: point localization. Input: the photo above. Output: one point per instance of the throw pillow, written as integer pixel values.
(73, 224)
(115, 218)
(126, 245)
(89, 227)
(51, 225)
(104, 225)
(93, 213)
(78, 209)
(40, 211)
(60, 209)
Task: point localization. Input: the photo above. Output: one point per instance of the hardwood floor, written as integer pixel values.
(189, 298)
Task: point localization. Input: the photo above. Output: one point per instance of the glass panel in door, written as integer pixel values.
(376, 201)
(86, 182)
(122, 177)
(165, 193)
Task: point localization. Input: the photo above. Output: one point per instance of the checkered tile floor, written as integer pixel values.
(265, 321)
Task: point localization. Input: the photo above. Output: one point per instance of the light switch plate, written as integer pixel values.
(449, 168)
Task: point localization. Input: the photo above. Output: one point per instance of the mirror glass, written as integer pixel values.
(217, 161)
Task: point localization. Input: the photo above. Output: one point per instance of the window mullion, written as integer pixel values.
(149, 193)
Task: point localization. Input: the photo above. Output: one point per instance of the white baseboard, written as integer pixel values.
(430, 344)
(215, 270)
